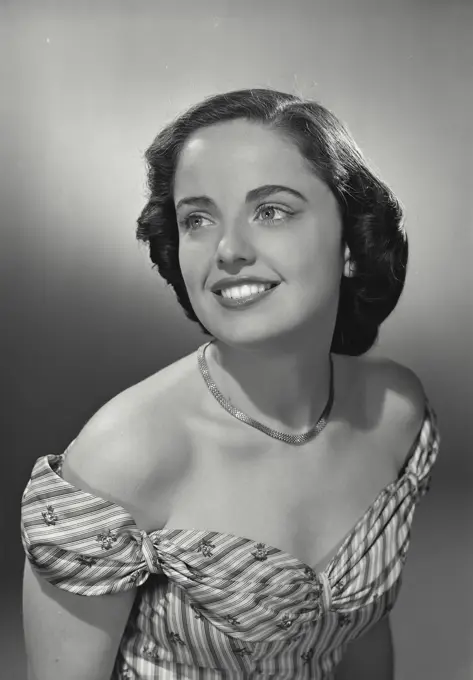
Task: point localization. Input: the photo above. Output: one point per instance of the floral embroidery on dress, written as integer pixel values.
(137, 574)
(242, 651)
(150, 651)
(86, 560)
(307, 656)
(196, 611)
(49, 515)
(232, 620)
(310, 573)
(107, 539)
(176, 638)
(286, 621)
(205, 547)
(343, 620)
(261, 552)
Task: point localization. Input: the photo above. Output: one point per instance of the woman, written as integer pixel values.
(246, 511)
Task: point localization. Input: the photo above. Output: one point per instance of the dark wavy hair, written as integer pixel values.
(370, 213)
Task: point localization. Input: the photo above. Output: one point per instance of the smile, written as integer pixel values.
(244, 300)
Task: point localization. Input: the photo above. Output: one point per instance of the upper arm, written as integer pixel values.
(69, 636)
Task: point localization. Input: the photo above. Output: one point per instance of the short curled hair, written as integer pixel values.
(370, 213)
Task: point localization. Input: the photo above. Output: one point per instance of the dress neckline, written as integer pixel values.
(386, 490)
(292, 558)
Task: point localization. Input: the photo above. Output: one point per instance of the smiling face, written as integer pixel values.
(231, 224)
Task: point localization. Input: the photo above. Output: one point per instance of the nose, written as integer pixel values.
(234, 245)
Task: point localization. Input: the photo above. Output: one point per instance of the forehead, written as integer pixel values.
(239, 150)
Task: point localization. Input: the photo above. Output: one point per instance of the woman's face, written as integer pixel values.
(291, 235)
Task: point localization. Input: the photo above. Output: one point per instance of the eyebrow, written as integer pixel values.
(253, 195)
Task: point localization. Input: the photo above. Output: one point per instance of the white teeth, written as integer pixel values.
(244, 291)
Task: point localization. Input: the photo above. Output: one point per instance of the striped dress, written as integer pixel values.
(211, 605)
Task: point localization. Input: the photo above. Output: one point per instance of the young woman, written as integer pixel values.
(246, 511)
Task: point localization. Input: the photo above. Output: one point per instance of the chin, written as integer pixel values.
(251, 336)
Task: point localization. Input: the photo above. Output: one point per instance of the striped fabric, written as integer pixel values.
(212, 605)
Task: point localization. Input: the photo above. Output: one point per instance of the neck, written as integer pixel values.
(284, 388)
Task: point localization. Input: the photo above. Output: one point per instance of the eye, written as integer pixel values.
(271, 210)
(191, 222)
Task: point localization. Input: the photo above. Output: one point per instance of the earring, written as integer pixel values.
(350, 269)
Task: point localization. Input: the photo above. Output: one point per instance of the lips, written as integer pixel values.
(244, 302)
(232, 282)
(268, 286)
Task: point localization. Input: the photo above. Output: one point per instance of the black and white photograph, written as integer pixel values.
(237, 333)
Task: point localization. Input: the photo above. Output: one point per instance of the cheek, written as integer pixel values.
(315, 275)
(192, 264)
(188, 259)
(318, 259)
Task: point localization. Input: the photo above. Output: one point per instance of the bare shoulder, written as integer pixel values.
(395, 398)
(133, 448)
(397, 383)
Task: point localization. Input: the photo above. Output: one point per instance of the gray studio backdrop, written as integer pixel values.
(85, 87)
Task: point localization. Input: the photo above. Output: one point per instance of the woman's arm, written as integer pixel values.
(71, 637)
(370, 657)
(76, 637)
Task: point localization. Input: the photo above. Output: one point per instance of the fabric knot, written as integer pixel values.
(150, 554)
(414, 481)
(326, 591)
